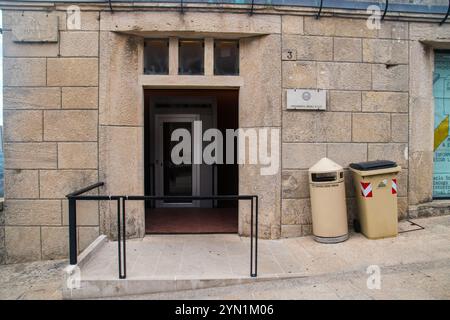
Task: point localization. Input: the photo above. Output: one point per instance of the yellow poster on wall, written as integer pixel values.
(441, 91)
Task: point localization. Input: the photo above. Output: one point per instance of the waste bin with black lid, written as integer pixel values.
(376, 192)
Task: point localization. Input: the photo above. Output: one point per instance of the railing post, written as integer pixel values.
(124, 239)
(251, 238)
(254, 242)
(256, 236)
(73, 230)
(119, 238)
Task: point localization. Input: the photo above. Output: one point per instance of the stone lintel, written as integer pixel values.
(169, 81)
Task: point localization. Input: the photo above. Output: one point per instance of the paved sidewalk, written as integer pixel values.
(227, 256)
(39, 280)
(412, 281)
(415, 265)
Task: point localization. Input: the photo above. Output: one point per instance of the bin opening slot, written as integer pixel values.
(324, 177)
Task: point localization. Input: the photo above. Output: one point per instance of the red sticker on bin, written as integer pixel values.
(394, 186)
(366, 189)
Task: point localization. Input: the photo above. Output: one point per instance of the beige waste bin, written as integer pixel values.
(329, 210)
(376, 192)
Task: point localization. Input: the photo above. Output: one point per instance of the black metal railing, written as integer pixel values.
(121, 221)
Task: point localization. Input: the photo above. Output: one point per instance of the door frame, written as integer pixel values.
(184, 99)
(160, 119)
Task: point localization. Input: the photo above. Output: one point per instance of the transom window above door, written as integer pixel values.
(226, 57)
(174, 56)
(191, 57)
(156, 53)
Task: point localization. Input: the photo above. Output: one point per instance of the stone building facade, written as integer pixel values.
(73, 108)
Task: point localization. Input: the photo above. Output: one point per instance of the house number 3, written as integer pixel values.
(289, 54)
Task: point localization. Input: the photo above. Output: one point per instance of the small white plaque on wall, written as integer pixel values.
(35, 27)
(300, 99)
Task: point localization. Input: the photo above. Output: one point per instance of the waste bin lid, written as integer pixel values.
(325, 165)
(373, 165)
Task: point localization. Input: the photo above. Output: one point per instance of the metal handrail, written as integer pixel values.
(84, 190)
(71, 197)
(121, 226)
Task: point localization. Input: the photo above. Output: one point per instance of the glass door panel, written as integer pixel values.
(177, 178)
